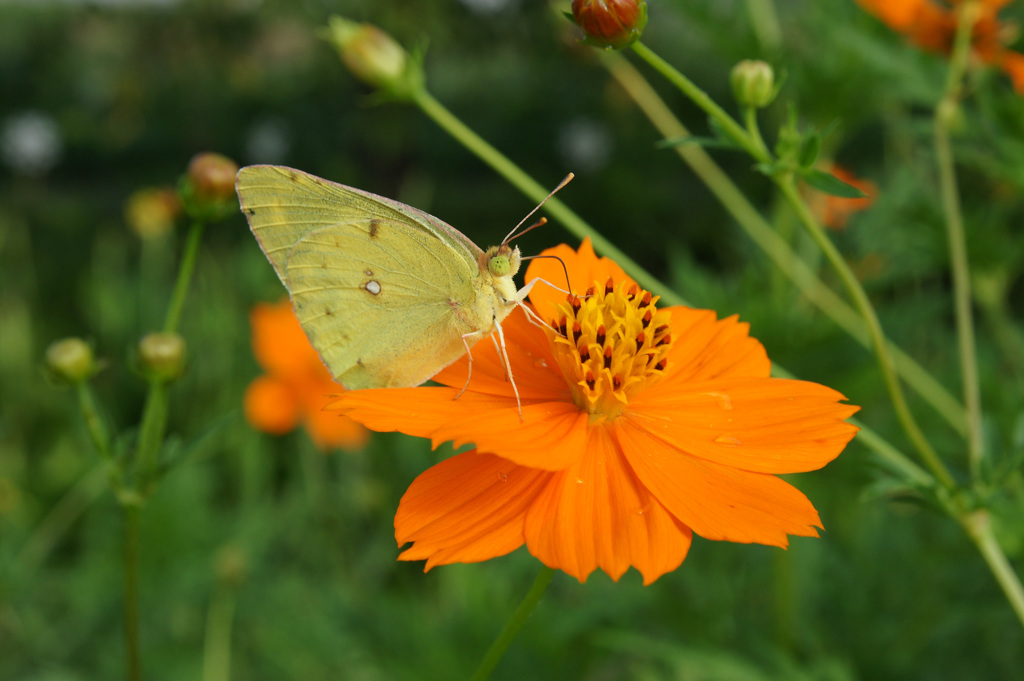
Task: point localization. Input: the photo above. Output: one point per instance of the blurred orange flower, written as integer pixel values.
(835, 211)
(296, 385)
(932, 25)
(641, 426)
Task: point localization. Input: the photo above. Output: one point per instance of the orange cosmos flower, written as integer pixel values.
(296, 386)
(932, 25)
(640, 427)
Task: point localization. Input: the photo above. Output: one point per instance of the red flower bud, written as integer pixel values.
(612, 24)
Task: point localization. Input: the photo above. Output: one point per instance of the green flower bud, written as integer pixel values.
(372, 55)
(162, 356)
(611, 24)
(70, 360)
(753, 83)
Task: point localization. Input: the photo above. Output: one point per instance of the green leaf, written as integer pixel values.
(809, 149)
(830, 184)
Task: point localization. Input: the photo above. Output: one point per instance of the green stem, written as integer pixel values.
(765, 22)
(188, 265)
(787, 186)
(945, 114)
(774, 246)
(528, 186)
(151, 436)
(131, 591)
(94, 421)
(750, 118)
(513, 625)
(701, 99)
(217, 648)
(979, 527)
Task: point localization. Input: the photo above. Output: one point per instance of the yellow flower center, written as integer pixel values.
(610, 343)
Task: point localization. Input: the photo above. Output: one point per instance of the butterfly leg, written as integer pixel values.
(469, 353)
(508, 366)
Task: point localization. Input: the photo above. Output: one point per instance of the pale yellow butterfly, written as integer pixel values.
(387, 294)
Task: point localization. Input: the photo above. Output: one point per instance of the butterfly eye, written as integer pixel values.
(499, 265)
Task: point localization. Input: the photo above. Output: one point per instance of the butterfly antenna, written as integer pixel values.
(540, 223)
(568, 284)
(561, 184)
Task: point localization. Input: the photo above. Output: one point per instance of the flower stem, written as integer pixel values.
(979, 527)
(513, 625)
(131, 590)
(787, 186)
(535, 191)
(217, 650)
(188, 265)
(945, 115)
(774, 246)
(701, 99)
(151, 436)
(764, 20)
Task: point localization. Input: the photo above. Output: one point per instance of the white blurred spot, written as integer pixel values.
(31, 143)
(268, 141)
(488, 6)
(585, 144)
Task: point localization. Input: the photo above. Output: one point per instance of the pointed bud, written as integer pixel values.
(70, 360)
(611, 24)
(162, 356)
(753, 83)
(372, 56)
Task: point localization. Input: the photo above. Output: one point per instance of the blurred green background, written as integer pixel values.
(100, 99)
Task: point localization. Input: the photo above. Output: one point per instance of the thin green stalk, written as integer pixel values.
(701, 99)
(217, 648)
(787, 186)
(979, 527)
(188, 265)
(151, 435)
(131, 591)
(765, 21)
(945, 113)
(513, 625)
(528, 186)
(774, 246)
(63, 515)
(94, 422)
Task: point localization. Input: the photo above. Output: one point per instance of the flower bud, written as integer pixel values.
(70, 360)
(151, 212)
(212, 177)
(611, 24)
(370, 54)
(753, 83)
(162, 356)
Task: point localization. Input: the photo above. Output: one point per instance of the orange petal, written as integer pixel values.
(716, 501)
(766, 425)
(330, 430)
(466, 509)
(533, 368)
(271, 406)
(706, 348)
(597, 514)
(584, 268)
(1013, 65)
(899, 15)
(278, 341)
(550, 437)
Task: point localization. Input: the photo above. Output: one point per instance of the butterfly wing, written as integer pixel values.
(384, 291)
(283, 205)
(384, 303)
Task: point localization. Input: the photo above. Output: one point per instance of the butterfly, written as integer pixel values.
(387, 294)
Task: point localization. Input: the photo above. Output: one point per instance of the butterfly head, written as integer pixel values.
(501, 261)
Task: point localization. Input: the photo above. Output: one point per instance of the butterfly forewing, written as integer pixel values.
(283, 205)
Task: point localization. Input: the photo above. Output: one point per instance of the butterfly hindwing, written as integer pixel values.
(385, 303)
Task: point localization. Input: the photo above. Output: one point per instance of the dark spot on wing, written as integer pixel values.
(250, 211)
(328, 311)
(293, 176)
(375, 226)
